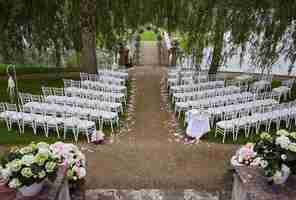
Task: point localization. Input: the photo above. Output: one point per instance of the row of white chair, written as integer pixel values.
(277, 113)
(102, 78)
(234, 110)
(191, 96)
(84, 93)
(196, 87)
(94, 94)
(114, 73)
(223, 101)
(95, 115)
(11, 116)
(72, 101)
(95, 86)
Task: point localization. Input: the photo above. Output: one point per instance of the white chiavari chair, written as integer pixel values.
(75, 84)
(12, 116)
(25, 98)
(58, 91)
(67, 83)
(83, 76)
(46, 91)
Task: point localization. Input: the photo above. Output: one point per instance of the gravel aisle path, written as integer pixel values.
(147, 155)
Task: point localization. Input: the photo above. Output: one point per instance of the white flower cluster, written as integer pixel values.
(280, 176)
(271, 157)
(246, 154)
(46, 158)
(283, 141)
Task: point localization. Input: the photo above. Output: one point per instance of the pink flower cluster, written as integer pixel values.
(246, 154)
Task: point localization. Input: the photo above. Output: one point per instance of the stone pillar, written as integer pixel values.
(173, 55)
(123, 56)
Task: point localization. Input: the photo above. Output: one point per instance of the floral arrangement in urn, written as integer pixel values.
(25, 167)
(28, 165)
(72, 157)
(244, 156)
(277, 154)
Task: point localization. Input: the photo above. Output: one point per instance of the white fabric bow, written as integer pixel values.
(11, 86)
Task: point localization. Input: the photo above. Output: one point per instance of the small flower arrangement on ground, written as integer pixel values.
(37, 162)
(244, 156)
(277, 155)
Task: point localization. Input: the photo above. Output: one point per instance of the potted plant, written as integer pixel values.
(26, 168)
(278, 155)
(244, 156)
(70, 155)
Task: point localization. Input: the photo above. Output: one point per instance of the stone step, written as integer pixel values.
(148, 194)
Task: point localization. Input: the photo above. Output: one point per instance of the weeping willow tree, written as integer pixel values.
(266, 29)
(33, 25)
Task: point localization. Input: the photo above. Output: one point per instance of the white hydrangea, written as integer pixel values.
(277, 175)
(28, 159)
(44, 151)
(263, 163)
(256, 161)
(293, 135)
(14, 183)
(5, 173)
(285, 168)
(26, 150)
(284, 157)
(283, 132)
(14, 165)
(42, 174)
(27, 172)
(42, 145)
(282, 141)
(292, 147)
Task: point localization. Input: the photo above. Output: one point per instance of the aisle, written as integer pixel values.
(148, 53)
(146, 155)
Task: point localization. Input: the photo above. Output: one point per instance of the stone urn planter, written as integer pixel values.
(281, 176)
(32, 190)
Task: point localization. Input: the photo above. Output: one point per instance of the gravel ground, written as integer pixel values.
(145, 154)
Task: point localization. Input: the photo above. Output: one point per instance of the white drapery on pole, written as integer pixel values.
(11, 85)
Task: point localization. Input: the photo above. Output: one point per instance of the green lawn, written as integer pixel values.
(37, 68)
(34, 86)
(148, 36)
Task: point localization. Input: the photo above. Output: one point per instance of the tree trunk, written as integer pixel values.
(218, 43)
(216, 59)
(58, 55)
(88, 34)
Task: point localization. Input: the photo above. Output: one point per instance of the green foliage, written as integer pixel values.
(267, 28)
(148, 36)
(271, 149)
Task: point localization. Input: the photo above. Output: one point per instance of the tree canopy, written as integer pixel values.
(265, 27)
